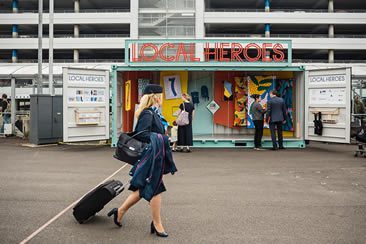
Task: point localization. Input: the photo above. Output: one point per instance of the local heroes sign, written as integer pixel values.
(273, 52)
(81, 78)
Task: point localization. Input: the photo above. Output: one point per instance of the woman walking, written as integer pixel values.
(155, 165)
(258, 120)
(185, 133)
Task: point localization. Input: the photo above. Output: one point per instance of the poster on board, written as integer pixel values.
(173, 87)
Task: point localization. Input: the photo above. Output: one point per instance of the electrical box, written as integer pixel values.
(46, 123)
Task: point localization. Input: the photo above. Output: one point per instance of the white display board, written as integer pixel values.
(325, 96)
(85, 104)
(329, 92)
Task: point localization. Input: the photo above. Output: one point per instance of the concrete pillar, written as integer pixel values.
(200, 28)
(267, 29)
(13, 105)
(331, 6)
(76, 56)
(76, 31)
(331, 31)
(15, 6)
(267, 6)
(330, 56)
(134, 26)
(76, 51)
(15, 31)
(77, 6)
(14, 55)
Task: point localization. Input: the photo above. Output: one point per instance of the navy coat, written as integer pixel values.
(149, 122)
(157, 160)
(276, 109)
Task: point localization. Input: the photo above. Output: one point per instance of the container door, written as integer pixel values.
(328, 93)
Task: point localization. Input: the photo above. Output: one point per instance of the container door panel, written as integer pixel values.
(328, 92)
(203, 121)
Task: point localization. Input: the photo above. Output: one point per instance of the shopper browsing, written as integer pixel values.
(276, 113)
(258, 120)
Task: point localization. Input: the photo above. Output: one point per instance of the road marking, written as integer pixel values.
(31, 236)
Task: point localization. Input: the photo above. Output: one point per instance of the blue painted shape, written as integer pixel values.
(203, 121)
(15, 28)
(14, 53)
(172, 86)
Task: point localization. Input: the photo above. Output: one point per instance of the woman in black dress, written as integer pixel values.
(149, 120)
(185, 133)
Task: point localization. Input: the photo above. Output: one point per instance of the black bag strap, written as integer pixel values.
(138, 133)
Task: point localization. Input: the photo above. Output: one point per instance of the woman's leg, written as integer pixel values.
(131, 200)
(261, 132)
(155, 205)
(256, 134)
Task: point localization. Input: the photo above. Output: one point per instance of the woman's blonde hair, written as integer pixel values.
(186, 97)
(147, 101)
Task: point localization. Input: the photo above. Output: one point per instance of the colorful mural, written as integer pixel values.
(285, 88)
(240, 101)
(261, 85)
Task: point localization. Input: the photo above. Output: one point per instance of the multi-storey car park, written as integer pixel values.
(93, 34)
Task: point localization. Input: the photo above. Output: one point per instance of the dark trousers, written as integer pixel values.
(258, 133)
(272, 127)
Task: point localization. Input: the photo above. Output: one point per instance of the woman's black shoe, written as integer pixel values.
(114, 212)
(153, 230)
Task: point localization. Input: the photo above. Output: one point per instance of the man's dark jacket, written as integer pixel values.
(276, 109)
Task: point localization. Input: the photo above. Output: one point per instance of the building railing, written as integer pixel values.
(168, 32)
(295, 60)
(66, 61)
(274, 10)
(70, 36)
(167, 4)
(301, 35)
(287, 35)
(116, 10)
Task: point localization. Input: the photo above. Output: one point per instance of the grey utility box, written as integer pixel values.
(46, 119)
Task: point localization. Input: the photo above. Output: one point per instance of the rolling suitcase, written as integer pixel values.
(95, 200)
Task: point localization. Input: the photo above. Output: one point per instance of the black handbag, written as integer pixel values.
(129, 149)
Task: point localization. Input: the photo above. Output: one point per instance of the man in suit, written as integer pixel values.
(276, 113)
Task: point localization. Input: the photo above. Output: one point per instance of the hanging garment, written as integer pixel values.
(318, 124)
(204, 93)
(228, 91)
(195, 97)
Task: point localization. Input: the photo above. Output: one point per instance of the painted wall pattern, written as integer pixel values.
(261, 85)
(240, 101)
(285, 90)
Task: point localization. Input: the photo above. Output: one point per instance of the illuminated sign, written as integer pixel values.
(208, 52)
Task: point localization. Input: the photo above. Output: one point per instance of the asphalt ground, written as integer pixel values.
(313, 195)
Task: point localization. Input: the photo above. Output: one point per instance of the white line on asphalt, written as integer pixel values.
(66, 209)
